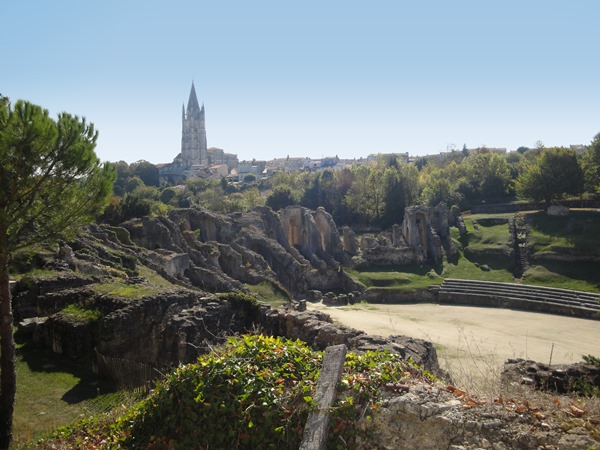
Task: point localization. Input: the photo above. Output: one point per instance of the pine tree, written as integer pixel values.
(51, 182)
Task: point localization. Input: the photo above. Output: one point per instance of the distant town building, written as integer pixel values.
(256, 168)
(195, 159)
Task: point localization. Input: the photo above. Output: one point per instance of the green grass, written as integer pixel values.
(53, 390)
(82, 314)
(127, 291)
(576, 276)
(405, 278)
(486, 237)
(463, 268)
(42, 274)
(269, 293)
(580, 230)
(154, 278)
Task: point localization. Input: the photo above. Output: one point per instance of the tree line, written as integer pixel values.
(375, 193)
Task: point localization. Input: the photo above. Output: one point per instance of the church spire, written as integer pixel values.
(193, 101)
(193, 136)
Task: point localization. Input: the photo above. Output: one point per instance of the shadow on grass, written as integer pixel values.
(43, 360)
(580, 228)
(566, 275)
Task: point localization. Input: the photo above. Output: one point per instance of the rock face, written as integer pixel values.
(561, 378)
(430, 416)
(421, 238)
(299, 249)
(176, 326)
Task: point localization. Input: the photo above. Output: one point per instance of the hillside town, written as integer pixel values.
(197, 160)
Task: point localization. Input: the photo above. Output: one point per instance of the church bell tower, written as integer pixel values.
(193, 135)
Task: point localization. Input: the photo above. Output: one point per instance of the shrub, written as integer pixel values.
(256, 392)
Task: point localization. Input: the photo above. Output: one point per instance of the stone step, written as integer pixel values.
(476, 284)
(548, 307)
(506, 293)
(498, 293)
(524, 290)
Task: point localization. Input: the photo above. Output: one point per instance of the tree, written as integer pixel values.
(554, 173)
(51, 182)
(280, 198)
(489, 175)
(591, 165)
(167, 194)
(440, 189)
(250, 178)
(147, 172)
(366, 196)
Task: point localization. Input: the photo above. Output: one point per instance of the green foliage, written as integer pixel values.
(250, 178)
(251, 394)
(591, 166)
(280, 198)
(80, 313)
(245, 302)
(591, 360)
(366, 196)
(267, 292)
(133, 183)
(145, 171)
(254, 392)
(489, 175)
(440, 189)
(553, 174)
(51, 181)
(167, 194)
(127, 291)
(29, 259)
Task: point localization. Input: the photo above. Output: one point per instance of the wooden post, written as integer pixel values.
(317, 424)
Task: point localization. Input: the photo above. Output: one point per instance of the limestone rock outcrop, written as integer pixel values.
(421, 238)
(559, 378)
(299, 249)
(177, 325)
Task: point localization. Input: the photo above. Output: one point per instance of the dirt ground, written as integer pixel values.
(474, 342)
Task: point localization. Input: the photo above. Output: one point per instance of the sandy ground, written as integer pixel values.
(477, 340)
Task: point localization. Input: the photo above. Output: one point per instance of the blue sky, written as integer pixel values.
(314, 78)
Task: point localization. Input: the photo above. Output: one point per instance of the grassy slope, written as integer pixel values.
(577, 233)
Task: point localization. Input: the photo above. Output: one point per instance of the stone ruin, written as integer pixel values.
(418, 240)
(312, 232)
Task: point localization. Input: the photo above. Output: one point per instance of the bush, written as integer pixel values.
(256, 393)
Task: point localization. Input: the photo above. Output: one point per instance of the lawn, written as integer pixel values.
(407, 278)
(53, 390)
(269, 293)
(580, 230)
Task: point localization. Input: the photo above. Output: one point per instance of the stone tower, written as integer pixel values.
(193, 135)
